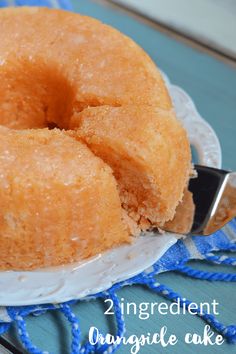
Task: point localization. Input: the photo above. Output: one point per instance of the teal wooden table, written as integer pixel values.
(212, 85)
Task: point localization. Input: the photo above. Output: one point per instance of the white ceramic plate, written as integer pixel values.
(75, 281)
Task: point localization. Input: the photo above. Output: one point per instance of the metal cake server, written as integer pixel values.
(214, 196)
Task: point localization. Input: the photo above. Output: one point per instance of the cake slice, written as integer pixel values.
(149, 153)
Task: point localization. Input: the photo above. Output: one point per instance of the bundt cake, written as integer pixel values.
(91, 151)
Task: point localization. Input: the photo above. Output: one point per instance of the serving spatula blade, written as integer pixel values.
(214, 197)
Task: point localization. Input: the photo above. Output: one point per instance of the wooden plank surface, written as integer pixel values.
(212, 22)
(212, 85)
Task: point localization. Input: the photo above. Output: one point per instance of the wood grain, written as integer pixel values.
(210, 22)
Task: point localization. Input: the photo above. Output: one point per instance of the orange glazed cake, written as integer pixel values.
(91, 151)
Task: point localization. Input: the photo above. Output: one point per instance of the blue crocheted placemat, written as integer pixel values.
(174, 259)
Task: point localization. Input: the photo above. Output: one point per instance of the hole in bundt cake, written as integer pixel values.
(34, 95)
(52, 125)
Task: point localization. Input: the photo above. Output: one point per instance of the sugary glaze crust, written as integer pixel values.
(53, 212)
(106, 95)
(55, 63)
